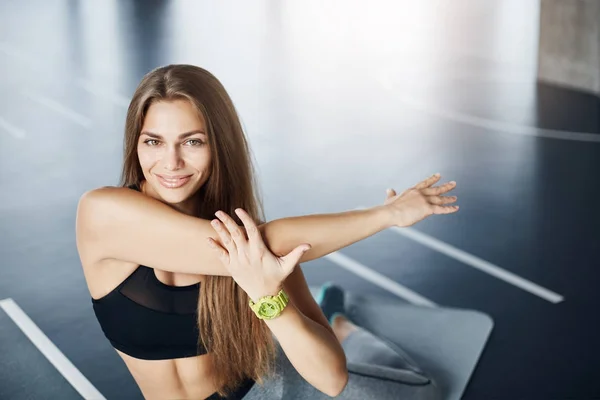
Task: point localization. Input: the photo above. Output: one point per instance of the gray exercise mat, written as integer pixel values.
(445, 342)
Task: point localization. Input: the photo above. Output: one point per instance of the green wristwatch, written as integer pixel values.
(269, 307)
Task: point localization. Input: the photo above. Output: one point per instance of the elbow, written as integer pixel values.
(337, 383)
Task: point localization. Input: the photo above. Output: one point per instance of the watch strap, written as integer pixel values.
(281, 298)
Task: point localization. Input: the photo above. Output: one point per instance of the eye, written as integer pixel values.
(196, 142)
(151, 142)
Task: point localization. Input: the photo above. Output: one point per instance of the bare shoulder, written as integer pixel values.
(96, 200)
(104, 196)
(101, 275)
(91, 213)
(103, 191)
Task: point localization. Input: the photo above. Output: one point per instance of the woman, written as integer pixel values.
(171, 284)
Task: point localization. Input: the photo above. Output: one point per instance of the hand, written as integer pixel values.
(420, 201)
(251, 264)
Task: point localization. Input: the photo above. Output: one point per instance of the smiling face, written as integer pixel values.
(174, 153)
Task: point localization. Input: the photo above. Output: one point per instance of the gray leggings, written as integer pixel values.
(377, 370)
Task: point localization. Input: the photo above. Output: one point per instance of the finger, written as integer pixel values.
(390, 193)
(224, 236)
(441, 200)
(234, 230)
(254, 236)
(436, 191)
(221, 252)
(428, 182)
(293, 258)
(445, 209)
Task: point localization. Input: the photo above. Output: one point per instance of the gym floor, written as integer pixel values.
(340, 100)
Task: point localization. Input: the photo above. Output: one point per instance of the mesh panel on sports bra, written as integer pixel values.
(144, 288)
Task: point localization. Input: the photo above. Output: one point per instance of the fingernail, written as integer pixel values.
(452, 182)
(436, 174)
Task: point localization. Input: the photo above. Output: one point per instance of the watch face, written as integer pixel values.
(269, 308)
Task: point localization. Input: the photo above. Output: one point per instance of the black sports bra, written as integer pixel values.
(147, 319)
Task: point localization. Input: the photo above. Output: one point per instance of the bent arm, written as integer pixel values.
(123, 224)
(307, 338)
(313, 351)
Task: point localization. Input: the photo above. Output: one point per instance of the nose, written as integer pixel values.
(173, 160)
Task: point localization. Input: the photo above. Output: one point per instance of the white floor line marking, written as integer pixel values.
(478, 263)
(59, 108)
(50, 351)
(10, 128)
(378, 279)
(96, 90)
(489, 124)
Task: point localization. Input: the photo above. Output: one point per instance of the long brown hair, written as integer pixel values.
(240, 344)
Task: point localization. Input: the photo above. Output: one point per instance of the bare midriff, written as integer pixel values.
(182, 378)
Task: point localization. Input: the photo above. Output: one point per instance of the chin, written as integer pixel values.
(173, 198)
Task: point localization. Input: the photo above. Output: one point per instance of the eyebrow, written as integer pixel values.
(182, 136)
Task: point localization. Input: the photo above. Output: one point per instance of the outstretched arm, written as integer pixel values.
(123, 224)
(327, 233)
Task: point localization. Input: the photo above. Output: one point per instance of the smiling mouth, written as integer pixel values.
(171, 182)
